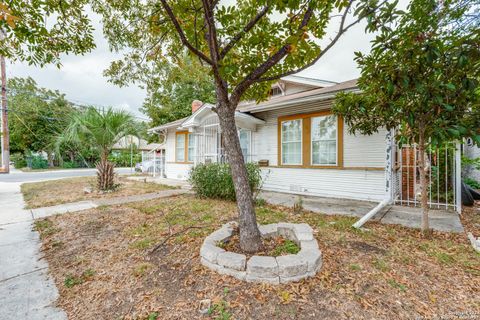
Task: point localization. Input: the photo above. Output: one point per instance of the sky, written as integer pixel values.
(81, 77)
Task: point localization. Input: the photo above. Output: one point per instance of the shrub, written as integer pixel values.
(474, 184)
(38, 162)
(18, 160)
(214, 180)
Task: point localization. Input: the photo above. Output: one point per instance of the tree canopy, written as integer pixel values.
(171, 86)
(38, 31)
(253, 42)
(37, 116)
(421, 79)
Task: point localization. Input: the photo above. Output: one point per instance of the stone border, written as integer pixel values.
(282, 269)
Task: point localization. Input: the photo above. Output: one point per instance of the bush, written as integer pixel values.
(18, 160)
(214, 180)
(474, 184)
(38, 162)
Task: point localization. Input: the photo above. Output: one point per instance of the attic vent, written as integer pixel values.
(275, 91)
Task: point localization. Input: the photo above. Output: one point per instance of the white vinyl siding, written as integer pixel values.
(324, 140)
(180, 148)
(291, 136)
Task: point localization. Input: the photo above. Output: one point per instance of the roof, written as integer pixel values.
(284, 101)
(308, 81)
(322, 93)
(172, 124)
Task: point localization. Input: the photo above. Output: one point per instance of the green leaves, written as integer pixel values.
(420, 77)
(37, 32)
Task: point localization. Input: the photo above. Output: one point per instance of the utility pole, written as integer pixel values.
(5, 133)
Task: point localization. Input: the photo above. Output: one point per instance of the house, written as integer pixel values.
(302, 147)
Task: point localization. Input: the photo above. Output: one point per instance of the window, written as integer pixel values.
(324, 140)
(191, 147)
(180, 147)
(291, 136)
(244, 136)
(311, 140)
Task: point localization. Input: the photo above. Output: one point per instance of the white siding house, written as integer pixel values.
(355, 165)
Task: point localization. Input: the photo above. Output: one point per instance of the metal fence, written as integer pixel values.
(442, 165)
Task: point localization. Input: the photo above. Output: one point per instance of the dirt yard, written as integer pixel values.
(53, 192)
(105, 266)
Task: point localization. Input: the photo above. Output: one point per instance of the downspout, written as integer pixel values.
(389, 151)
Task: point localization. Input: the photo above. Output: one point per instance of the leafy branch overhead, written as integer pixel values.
(246, 44)
(422, 76)
(38, 31)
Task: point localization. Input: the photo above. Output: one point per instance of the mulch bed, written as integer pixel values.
(273, 246)
(388, 272)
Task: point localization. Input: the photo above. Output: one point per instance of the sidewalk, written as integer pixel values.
(26, 290)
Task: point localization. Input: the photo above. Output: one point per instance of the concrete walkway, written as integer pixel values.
(440, 220)
(26, 290)
(90, 204)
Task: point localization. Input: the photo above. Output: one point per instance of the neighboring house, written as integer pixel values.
(300, 145)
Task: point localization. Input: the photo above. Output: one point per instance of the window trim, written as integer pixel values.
(306, 140)
(301, 142)
(336, 144)
(185, 148)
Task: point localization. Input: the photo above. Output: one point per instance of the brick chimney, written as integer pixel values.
(196, 104)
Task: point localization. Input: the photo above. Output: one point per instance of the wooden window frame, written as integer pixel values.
(306, 140)
(301, 142)
(185, 148)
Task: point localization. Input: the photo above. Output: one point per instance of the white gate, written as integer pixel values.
(443, 175)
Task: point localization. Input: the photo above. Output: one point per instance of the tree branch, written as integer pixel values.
(245, 29)
(265, 66)
(181, 34)
(341, 30)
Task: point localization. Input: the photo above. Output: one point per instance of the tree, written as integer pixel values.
(101, 130)
(421, 79)
(171, 85)
(38, 115)
(246, 45)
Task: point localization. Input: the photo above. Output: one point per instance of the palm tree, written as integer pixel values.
(101, 130)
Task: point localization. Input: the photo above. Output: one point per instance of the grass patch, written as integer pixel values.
(288, 247)
(45, 227)
(53, 192)
(397, 285)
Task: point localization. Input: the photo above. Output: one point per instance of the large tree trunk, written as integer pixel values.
(250, 238)
(423, 181)
(105, 173)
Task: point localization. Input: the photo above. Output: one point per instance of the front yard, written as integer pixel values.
(53, 192)
(105, 266)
